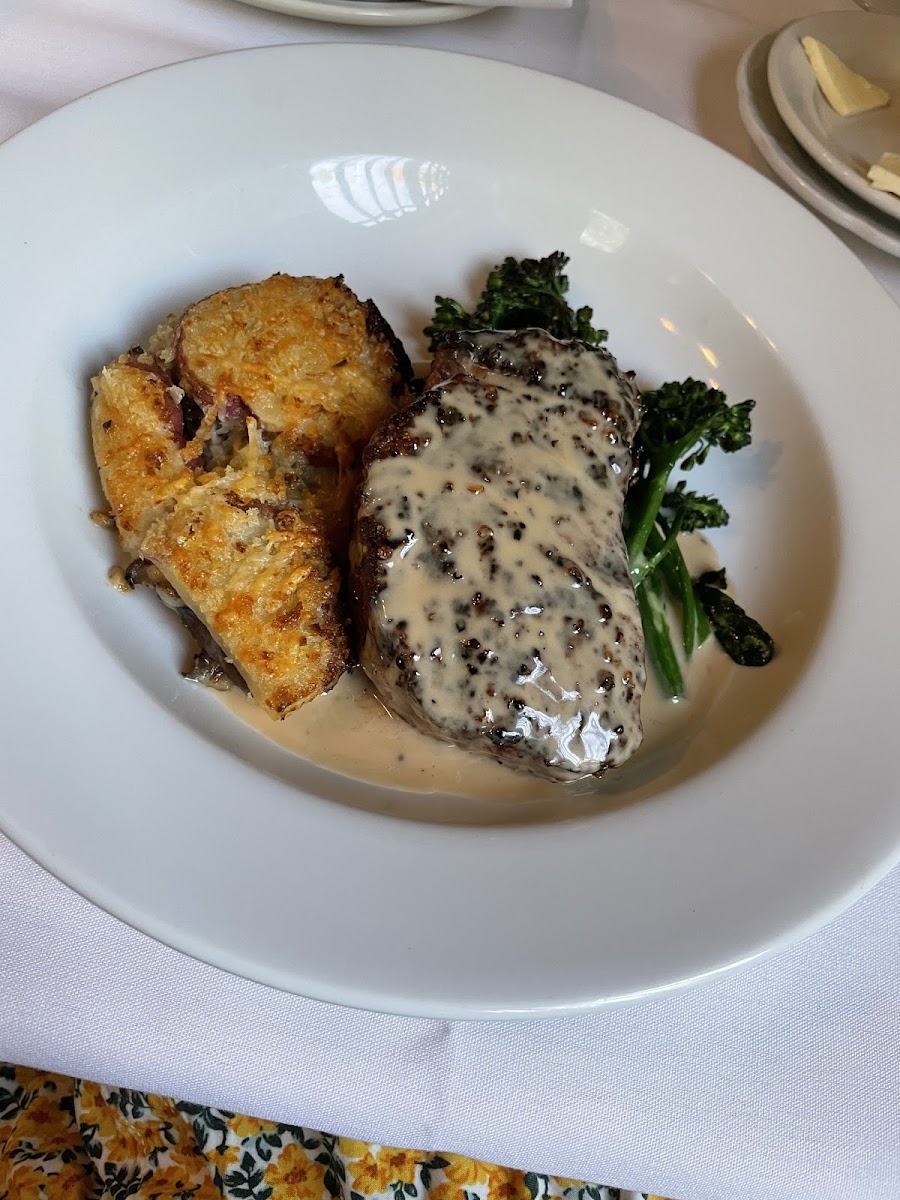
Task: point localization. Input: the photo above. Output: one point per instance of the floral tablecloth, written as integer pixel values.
(69, 1139)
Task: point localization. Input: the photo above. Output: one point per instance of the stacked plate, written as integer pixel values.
(819, 155)
(371, 12)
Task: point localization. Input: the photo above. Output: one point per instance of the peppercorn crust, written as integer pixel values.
(489, 572)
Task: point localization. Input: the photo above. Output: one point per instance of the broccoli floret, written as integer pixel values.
(743, 639)
(682, 423)
(687, 511)
(519, 294)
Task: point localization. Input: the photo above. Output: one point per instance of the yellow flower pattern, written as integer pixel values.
(466, 1172)
(295, 1174)
(67, 1139)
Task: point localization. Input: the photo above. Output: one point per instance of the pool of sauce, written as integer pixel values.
(351, 732)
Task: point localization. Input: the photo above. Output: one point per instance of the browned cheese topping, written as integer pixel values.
(229, 458)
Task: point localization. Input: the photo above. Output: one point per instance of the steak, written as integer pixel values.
(488, 568)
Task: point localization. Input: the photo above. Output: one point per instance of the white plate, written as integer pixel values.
(793, 165)
(147, 795)
(845, 147)
(371, 12)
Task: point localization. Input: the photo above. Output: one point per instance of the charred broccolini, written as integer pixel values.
(519, 294)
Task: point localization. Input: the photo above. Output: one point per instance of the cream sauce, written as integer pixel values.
(503, 614)
(351, 732)
(116, 576)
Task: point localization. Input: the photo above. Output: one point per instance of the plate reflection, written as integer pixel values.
(366, 189)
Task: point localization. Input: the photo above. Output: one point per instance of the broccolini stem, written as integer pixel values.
(679, 585)
(658, 547)
(647, 499)
(658, 639)
(704, 629)
(647, 496)
(650, 497)
(689, 606)
(694, 621)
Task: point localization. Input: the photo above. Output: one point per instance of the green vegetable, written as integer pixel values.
(519, 294)
(683, 422)
(680, 587)
(743, 639)
(695, 623)
(688, 512)
(657, 639)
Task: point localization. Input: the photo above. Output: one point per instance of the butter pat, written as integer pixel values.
(885, 174)
(846, 92)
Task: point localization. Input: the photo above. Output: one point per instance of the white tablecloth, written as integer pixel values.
(776, 1082)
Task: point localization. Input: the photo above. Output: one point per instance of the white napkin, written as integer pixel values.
(777, 1082)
